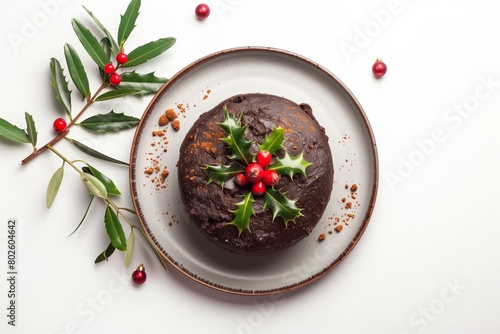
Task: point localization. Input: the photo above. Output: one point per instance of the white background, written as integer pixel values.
(430, 258)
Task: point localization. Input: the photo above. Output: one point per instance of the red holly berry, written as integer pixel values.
(122, 58)
(258, 188)
(379, 68)
(240, 179)
(59, 125)
(139, 275)
(254, 172)
(109, 68)
(264, 158)
(115, 79)
(271, 177)
(202, 11)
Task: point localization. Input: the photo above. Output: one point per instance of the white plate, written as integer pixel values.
(199, 87)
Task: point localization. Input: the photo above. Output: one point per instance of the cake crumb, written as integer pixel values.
(176, 125)
(163, 120)
(354, 187)
(321, 237)
(170, 114)
(338, 228)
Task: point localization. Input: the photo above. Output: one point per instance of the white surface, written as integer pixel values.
(429, 260)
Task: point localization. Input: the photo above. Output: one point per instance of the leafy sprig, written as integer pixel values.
(102, 50)
(276, 201)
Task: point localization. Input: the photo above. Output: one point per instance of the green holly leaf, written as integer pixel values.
(76, 70)
(90, 43)
(114, 94)
(110, 122)
(281, 206)
(291, 165)
(107, 47)
(273, 141)
(63, 94)
(31, 129)
(146, 83)
(13, 133)
(223, 172)
(236, 138)
(93, 153)
(127, 21)
(243, 213)
(148, 51)
(113, 46)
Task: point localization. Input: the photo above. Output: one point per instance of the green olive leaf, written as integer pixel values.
(60, 85)
(110, 122)
(84, 216)
(31, 129)
(76, 70)
(90, 43)
(111, 189)
(105, 254)
(94, 185)
(113, 46)
(93, 153)
(53, 187)
(127, 21)
(114, 229)
(148, 51)
(13, 133)
(129, 253)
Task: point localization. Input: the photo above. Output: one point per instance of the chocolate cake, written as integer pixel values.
(212, 204)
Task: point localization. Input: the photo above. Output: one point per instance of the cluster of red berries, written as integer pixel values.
(109, 69)
(257, 174)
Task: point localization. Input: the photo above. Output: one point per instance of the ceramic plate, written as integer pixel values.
(198, 88)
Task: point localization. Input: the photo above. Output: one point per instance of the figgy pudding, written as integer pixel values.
(256, 173)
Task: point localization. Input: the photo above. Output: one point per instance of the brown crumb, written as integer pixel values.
(338, 228)
(164, 173)
(176, 125)
(149, 171)
(354, 187)
(346, 186)
(322, 237)
(171, 114)
(348, 205)
(163, 120)
(343, 200)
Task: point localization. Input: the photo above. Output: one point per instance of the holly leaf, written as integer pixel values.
(291, 165)
(111, 188)
(76, 70)
(53, 187)
(222, 173)
(146, 83)
(105, 254)
(106, 46)
(236, 138)
(13, 133)
(281, 206)
(114, 229)
(110, 122)
(273, 141)
(90, 43)
(113, 46)
(60, 85)
(243, 213)
(127, 21)
(113, 94)
(148, 51)
(31, 129)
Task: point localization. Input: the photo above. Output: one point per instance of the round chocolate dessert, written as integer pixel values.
(218, 174)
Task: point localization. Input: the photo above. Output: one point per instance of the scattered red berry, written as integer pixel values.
(122, 58)
(270, 177)
(264, 158)
(258, 188)
(109, 68)
(240, 179)
(202, 11)
(139, 275)
(115, 79)
(59, 125)
(379, 68)
(254, 172)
